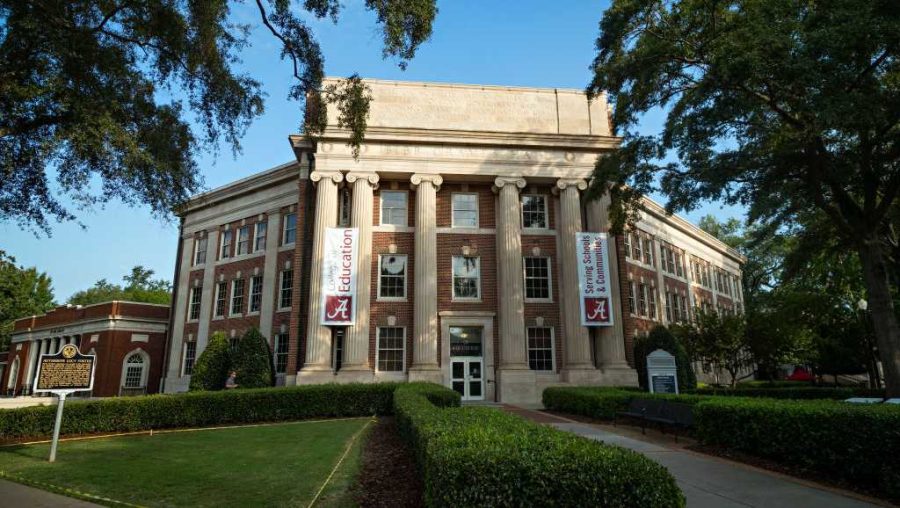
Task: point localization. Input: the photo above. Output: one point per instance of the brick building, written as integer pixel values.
(466, 200)
(128, 338)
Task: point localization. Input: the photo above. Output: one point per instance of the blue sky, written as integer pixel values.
(524, 43)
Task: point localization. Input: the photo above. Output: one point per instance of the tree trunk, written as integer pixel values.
(884, 319)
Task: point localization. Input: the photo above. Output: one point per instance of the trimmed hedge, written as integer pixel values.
(485, 457)
(849, 442)
(806, 392)
(198, 409)
(855, 443)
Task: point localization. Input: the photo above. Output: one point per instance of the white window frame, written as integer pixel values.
(184, 358)
(225, 248)
(378, 350)
(256, 237)
(543, 198)
(145, 369)
(642, 299)
(455, 298)
(243, 245)
(453, 210)
(405, 280)
(221, 304)
(231, 312)
(285, 229)
(250, 310)
(282, 289)
(552, 349)
(286, 338)
(549, 279)
(632, 298)
(381, 195)
(205, 241)
(196, 292)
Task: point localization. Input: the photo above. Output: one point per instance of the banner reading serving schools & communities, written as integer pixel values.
(339, 276)
(595, 293)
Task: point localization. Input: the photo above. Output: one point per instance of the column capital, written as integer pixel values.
(334, 176)
(368, 176)
(516, 181)
(578, 183)
(419, 178)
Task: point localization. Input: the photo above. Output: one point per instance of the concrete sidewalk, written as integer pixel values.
(710, 481)
(15, 495)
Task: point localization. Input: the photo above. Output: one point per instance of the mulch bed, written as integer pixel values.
(388, 475)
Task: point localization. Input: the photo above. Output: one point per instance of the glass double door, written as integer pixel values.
(467, 377)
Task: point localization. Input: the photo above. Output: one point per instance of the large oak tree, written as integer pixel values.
(83, 82)
(790, 107)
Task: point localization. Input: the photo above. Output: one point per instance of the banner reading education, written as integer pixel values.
(595, 294)
(339, 276)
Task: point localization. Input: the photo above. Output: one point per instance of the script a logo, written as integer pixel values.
(337, 308)
(596, 310)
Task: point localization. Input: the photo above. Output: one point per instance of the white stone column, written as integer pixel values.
(173, 382)
(208, 295)
(271, 274)
(611, 339)
(318, 337)
(425, 328)
(356, 345)
(578, 368)
(516, 381)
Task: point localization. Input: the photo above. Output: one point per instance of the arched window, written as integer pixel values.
(135, 370)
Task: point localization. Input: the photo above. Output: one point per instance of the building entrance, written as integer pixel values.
(467, 361)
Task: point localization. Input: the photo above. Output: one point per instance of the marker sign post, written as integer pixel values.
(662, 374)
(66, 372)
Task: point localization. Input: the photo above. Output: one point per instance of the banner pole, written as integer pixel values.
(59, 412)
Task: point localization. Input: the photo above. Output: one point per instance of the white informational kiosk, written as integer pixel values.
(662, 374)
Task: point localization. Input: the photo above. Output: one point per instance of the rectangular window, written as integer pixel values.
(190, 353)
(391, 348)
(465, 210)
(642, 299)
(669, 301)
(280, 352)
(540, 348)
(255, 293)
(290, 229)
(243, 245)
(133, 374)
(683, 309)
(392, 276)
(679, 265)
(286, 293)
(260, 242)
(194, 306)
(537, 278)
(200, 251)
(627, 242)
(466, 277)
(632, 307)
(636, 252)
(237, 296)
(648, 251)
(534, 211)
(394, 207)
(651, 300)
(225, 251)
(221, 299)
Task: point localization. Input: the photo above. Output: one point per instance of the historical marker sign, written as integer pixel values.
(67, 371)
(662, 374)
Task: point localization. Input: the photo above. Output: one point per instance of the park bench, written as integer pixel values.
(665, 413)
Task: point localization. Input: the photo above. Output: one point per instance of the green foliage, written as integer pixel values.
(602, 403)
(661, 338)
(718, 339)
(787, 108)
(23, 292)
(198, 409)
(252, 359)
(853, 443)
(516, 462)
(211, 368)
(139, 287)
(110, 90)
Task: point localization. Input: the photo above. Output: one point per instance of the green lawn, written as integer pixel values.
(277, 465)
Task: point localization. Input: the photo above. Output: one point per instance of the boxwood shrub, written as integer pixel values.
(599, 402)
(805, 392)
(197, 409)
(484, 457)
(854, 443)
